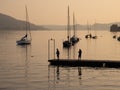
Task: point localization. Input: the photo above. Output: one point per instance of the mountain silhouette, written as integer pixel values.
(96, 26)
(10, 23)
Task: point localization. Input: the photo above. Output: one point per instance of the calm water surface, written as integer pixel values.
(27, 67)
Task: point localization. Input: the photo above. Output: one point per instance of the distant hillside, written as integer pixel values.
(10, 23)
(96, 26)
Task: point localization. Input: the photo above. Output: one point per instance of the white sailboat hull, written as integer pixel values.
(23, 42)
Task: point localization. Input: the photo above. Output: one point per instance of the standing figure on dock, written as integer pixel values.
(57, 53)
(79, 54)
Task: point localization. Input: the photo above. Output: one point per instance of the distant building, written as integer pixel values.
(114, 28)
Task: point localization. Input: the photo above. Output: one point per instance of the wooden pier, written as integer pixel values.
(85, 63)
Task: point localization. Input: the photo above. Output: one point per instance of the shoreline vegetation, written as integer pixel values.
(115, 28)
(11, 23)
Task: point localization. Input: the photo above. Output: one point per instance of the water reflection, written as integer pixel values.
(22, 72)
(25, 57)
(79, 72)
(64, 76)
(58, 73)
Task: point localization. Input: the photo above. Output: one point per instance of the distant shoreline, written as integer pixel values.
(10, 23)
(51, 30)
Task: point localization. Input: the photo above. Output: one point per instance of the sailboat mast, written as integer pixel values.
(27, 23)
(26, 19)
(88, 27)
(95, 28)
(74, 24)
(68, 27)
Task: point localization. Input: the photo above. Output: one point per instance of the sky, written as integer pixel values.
(48, 12)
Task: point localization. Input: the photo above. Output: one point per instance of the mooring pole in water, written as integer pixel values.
(49, 44)
(54, 48)
(48, 49)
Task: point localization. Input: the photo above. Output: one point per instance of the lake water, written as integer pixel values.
(27, 67)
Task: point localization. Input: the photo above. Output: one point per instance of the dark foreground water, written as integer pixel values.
(27, 67)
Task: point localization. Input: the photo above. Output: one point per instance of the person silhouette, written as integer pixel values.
(57, 53)
(79, 54)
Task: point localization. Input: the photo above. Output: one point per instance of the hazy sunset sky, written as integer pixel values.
(55, 11)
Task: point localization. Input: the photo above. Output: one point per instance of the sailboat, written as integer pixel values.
(118, 38)
(114, 36)
(74, 39)
(67, 43)
(95, 36)
(89, 35)
(25, 40)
